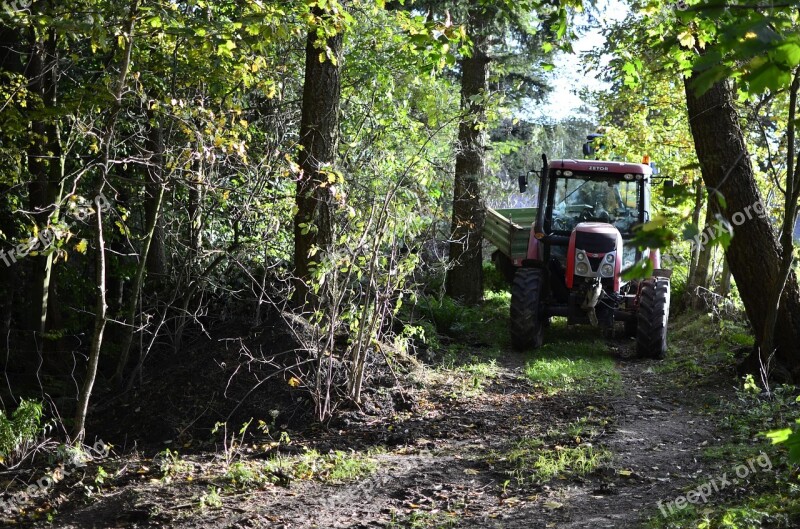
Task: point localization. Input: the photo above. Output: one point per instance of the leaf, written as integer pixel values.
(690, 231)
(686, 39)
(81, 246)
(641, 270)
(294, 382)
(767, 77)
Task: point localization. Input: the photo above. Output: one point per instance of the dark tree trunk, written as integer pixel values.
(724, 287)
(155, 258)
(700, 281)
(697, 210)
(45, 167)
(465, 278)
(318, 138)
(753, 255)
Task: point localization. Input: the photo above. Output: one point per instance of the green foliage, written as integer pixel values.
(246, 474)
(19, 430)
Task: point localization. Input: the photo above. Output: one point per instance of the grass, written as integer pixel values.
(531, 460)
(579, 363)
(700, 345)
(335, 467)
(424, 520)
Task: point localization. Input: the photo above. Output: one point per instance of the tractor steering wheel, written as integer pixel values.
(586, 214)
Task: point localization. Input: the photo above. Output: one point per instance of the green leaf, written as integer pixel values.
(640, 270)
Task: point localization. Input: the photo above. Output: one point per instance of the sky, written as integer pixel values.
(568, 77)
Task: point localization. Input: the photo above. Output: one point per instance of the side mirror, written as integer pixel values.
(523, 183)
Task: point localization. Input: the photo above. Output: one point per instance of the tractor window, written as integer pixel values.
(600, 199)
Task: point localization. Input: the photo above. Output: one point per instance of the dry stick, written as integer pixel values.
(137, 287)
(97, 339)
(102, 306)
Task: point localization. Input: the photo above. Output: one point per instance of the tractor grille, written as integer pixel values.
(595, 263)
(596, 242)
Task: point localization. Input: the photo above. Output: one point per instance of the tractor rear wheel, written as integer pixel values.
(527, 328)
(651, 332)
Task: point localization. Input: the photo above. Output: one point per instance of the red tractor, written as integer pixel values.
(566, 256)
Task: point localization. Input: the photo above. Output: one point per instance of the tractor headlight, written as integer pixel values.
(582, 269)
(610, 258)
(580, 255)
(607, 270)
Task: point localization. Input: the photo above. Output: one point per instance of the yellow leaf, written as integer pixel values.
(294, 382)
(686, 39)
(81, 246)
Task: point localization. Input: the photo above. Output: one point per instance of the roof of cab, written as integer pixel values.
(601, 165)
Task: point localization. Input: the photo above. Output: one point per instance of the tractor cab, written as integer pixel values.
(587, 213)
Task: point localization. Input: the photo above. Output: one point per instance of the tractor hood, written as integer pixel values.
(595, 250)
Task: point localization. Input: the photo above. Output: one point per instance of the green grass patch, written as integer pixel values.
(701, 345)
(573, 364)
(335, 467)
(530, 460)
(423, 520)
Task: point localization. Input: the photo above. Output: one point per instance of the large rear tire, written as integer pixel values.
(527, 328)
(651, 332)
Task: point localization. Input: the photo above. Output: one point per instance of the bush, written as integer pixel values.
(19, 431)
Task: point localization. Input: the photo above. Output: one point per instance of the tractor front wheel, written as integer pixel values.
(651, 331)
(527, 329)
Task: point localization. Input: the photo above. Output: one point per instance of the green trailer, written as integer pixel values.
(510, 230)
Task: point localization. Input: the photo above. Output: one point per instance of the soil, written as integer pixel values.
(440, 462)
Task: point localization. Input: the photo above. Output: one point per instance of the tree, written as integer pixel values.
(319, 135)
(465, 278)
(729, 56)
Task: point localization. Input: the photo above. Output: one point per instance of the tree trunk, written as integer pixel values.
(100, 317)
(465, 278)
(45, 167)
(319, 126)
(724, 288)
(753, 254)
(155, 258)
(698, 209)
(700, 281)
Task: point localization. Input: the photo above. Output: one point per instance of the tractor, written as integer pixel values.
(567, 256)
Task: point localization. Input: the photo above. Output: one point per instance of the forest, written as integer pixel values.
(248, 276)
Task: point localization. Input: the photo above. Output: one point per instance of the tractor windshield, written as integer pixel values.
(583, 198)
